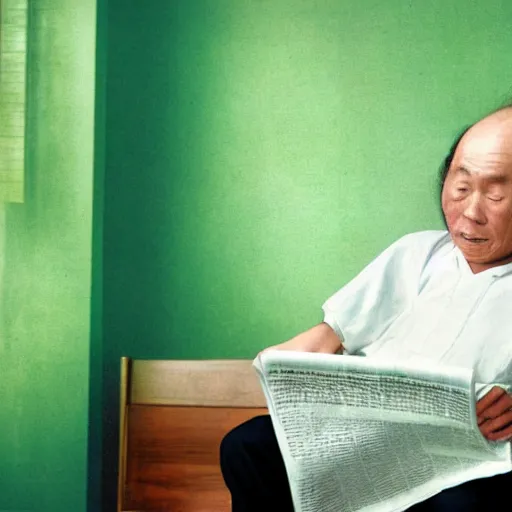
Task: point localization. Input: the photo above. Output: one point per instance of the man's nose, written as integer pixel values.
(474, 209)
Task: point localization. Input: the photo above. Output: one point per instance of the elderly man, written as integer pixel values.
(444, 297)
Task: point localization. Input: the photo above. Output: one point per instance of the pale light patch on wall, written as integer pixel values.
(13, 55)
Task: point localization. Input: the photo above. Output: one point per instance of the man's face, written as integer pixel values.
(477, 194)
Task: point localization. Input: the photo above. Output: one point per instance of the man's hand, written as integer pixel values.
(494, 414)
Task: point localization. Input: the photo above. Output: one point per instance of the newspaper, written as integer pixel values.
(365, 435)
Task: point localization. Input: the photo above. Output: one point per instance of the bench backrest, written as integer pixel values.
(173, 417)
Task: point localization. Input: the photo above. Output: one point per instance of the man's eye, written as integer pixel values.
(462, 189)
(496, 199)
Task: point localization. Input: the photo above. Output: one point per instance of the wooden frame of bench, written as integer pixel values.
(173, 415)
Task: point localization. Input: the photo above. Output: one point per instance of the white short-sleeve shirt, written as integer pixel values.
(419, 300)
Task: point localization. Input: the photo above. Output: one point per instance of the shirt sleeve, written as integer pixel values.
(364, 308)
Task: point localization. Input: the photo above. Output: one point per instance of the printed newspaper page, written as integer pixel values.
(365, 435)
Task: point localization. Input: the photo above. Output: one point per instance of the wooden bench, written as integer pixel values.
(173, 416)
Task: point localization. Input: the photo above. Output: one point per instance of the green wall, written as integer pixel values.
(247, 158)
(45, 252)
(259, 153)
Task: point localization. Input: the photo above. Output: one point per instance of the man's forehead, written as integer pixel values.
(497, 173)
(485, 155)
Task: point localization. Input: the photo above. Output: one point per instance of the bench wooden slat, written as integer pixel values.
(213, 383)
(173, 461)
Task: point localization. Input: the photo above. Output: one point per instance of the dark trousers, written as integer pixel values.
(254, 472)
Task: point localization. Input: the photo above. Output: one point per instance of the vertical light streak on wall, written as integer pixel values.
(2, 265)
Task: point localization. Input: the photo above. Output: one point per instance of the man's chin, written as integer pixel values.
(475, 252)
(484, 259)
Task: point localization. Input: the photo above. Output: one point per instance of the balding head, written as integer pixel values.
(477, 192)
(491, 135)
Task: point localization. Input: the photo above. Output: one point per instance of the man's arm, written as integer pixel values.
(320, 338)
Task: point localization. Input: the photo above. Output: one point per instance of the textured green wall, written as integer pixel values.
(46, 280)
(259, 153)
